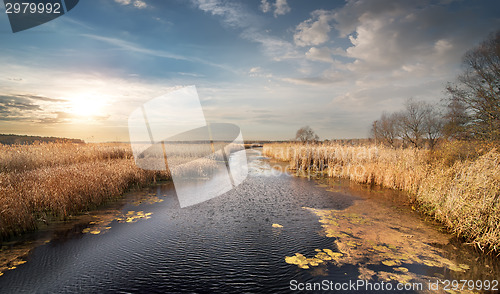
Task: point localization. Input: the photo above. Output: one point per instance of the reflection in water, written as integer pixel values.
(271, 229)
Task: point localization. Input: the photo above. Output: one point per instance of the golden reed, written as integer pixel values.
(47, 180)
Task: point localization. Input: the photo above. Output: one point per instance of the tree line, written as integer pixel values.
(471, 112)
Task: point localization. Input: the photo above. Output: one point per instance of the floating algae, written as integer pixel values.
(304, 262)
(102, 225)
(370, 236)
(132, 216)
(148, 200)
(12, 257)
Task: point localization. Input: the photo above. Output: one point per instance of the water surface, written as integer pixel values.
(239, 242)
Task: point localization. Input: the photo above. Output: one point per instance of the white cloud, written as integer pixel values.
(409, 35)
(320, 54)
(236, 16)
(265, 6)
(132, 47)
(315, 30)
(255, 69)
(123, 2)
(281, 7)
(140, 4)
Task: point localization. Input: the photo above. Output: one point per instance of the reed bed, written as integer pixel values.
(15, 158)
(458, 184)
(42, 181)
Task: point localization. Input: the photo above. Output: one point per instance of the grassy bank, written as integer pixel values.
(458, 184)
(46, 180)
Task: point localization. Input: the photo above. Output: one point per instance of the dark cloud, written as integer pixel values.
(60, 117)
(22, 107)
(40, 98)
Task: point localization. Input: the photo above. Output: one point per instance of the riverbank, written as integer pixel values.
(45, 181)
(458, 184)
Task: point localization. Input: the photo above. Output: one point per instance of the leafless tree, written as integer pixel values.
(478, 88)
(433, 127)
(411, 122)
(306, 134)
(385, 129)
(456, 120)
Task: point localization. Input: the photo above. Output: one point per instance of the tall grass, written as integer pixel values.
(14, 158)
(48, 180)
(459, 184)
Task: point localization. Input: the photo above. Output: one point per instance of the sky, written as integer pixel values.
(268, 66)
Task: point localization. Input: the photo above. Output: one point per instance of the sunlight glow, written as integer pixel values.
(87, 105)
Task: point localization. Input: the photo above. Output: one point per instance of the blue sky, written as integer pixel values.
(268, 66)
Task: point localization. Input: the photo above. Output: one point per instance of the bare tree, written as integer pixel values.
(456, 120)
(385, 129)
(478, 88)
(306, 134)
(433, 127)
(411, 122)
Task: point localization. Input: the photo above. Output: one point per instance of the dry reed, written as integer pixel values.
(41, 181)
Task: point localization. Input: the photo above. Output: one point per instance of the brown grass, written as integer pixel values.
(59, 179)
(458, 184)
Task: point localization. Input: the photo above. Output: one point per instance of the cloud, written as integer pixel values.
(137, 3)
(234, 15)
(280, 7)
(16, 107)
(320, 54)
(265, 6)
(60, 117)
(396, 35)
(140, 4)
(132, 47)
(315, 30)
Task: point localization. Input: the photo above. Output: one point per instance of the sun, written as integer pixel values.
(87, 105)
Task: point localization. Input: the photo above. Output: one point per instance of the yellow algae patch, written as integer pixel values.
(18, 262)
(390, 262)
(401, 269)
(103, 225)
(370, 235)
(304, 262)
(95, 230)
(365, 274)
(277, 226)
(132, 216)
(148, 200)
(402, 278)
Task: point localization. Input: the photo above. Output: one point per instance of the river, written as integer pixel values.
(274, 233)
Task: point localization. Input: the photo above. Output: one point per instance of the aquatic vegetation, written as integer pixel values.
(13, 256)
(305, 263)
(357, 233)
(103, 225)
(132, 216)
(457, 186)
(148, 200)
